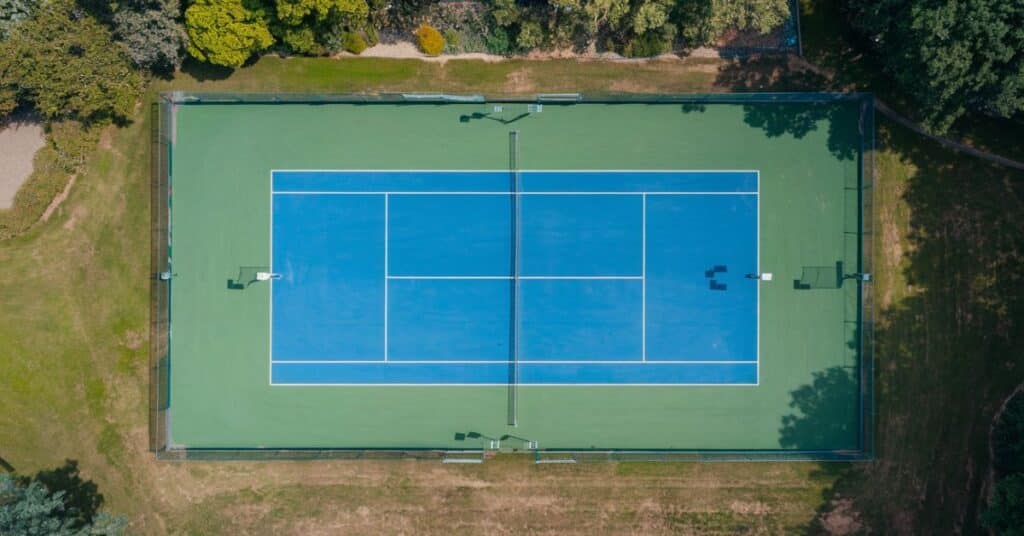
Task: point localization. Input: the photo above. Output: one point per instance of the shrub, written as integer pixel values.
(151, 33)
(225, 32)
(431, 41)
(353, 42)
(451, 39)
(371, 36)
(1005, 514)
(1008, 438)
(497, 41)
(531, 35)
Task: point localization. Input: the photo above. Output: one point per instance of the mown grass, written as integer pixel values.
(73, 361)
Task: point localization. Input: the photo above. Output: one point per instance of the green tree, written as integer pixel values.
(54, 503)
(950, 56)
(701, 22)
(226, 32)
(151, 32)
(14, 11)
(1005, 513)
(308, 26)
(66, 64)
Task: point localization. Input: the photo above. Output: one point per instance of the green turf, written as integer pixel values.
(808, 393)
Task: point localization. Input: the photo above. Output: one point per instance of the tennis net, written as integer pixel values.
(513, 367)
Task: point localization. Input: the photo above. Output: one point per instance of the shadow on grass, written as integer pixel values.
(205, 72)
(949, 342)
(82, 498)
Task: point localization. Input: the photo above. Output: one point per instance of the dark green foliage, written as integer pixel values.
(65, 64)
(950, 56)
(307, 26)
(1005, 513)
(54, 503)
(151, 32)
(14, 11)
(1008, 438)
(497, 41)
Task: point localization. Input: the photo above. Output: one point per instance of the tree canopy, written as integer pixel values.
(57, 502)
(950, 56)
(226, 32)
(65, 63)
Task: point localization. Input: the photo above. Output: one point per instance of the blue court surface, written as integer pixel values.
(570, 277)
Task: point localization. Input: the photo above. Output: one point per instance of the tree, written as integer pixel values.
(1005, 513)
(950, 56)
(226, 32)
(151, 33)
(54, 503)
(701, 22)
(14, 11)
(66, 64)
(306, 26)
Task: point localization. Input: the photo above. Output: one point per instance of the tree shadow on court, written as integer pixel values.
(82, 498)
(825, 412)
(796, 119)
(5, 465)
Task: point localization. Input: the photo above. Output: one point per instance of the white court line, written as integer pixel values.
(643, 270)
(505, 362)
(386, 198)
(757, 327)
(270, 263)
(505, 171)
(505, 384)
(507, 277)
(492, 192)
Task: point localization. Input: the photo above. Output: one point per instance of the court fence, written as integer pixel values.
(859, 233)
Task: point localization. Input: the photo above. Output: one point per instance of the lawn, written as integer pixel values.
(73, 355)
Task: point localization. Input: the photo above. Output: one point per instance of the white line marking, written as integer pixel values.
(757, 328)
(507, 277)
(386, 217)
(505, 384)
(270, 263)
(496, 192)
(504, 362)
(643, 288)
(505, 171)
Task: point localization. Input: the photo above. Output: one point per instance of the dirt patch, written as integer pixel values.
(407, 50)
(841, 519)
(20, 138)
(59, 199)
(518, 81)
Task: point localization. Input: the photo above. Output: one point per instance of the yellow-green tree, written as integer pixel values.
(226, 32)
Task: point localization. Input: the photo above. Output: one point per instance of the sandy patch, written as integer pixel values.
(20, 138)
(407, 50)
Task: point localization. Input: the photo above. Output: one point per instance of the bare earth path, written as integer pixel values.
(20, 138)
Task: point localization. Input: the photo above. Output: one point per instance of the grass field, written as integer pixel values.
(948, 262)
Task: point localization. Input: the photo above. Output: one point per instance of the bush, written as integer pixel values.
(1008, 438)
(151, 33)
(371, 36)
(353, 42)
(225, 32)
(430, 40)
(451, 39)
(497, 42)
(1005, 514)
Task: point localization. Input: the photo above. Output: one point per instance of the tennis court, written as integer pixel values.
(429, 274)
(461, 277)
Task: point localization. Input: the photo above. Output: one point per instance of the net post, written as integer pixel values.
(513, 367)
